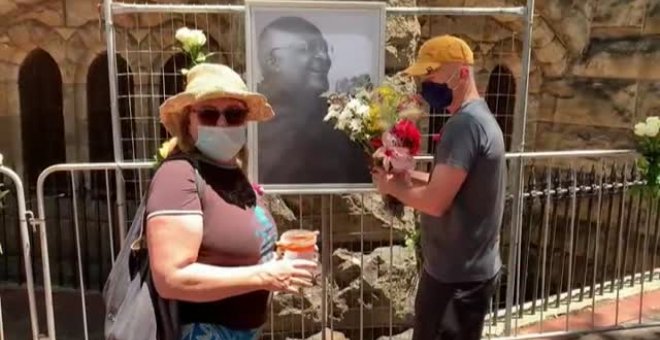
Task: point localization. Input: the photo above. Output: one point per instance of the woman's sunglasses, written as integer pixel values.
(233, 115)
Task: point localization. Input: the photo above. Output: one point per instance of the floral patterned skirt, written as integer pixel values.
(207, 331)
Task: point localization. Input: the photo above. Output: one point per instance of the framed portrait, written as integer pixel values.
(296, 52)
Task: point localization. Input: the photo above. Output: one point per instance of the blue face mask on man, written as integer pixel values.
(439, 96)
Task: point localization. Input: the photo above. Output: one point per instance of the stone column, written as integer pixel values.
(11, 141)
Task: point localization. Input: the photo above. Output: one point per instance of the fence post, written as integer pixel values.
(27, 250)
(116, 122)
(520, 122)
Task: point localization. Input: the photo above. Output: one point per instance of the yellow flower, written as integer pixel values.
(386, 95)
(167, 147)
(374, 119)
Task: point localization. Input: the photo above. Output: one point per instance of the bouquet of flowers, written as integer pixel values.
(647, 138)
(382, 120)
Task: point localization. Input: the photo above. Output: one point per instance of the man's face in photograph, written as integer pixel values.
(300, 61)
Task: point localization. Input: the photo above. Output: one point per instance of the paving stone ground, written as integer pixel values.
(607, 314)
(69, 321)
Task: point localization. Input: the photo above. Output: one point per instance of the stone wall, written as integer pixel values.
(593, 69)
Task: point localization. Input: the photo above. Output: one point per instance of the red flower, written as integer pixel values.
(436, 137)
(376, 143)
(406, 131)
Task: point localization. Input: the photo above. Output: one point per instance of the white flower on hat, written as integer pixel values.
(190, 38)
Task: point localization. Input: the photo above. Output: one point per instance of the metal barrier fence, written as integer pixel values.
(146, 72)
(13, 207)
(584, 236)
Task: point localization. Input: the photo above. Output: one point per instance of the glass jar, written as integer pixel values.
(298, 244)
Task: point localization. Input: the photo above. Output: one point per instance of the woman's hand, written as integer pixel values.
(288, 275)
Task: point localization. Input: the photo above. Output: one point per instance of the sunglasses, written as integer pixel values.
(234, 116)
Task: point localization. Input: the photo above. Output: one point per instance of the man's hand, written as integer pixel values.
(387, 183)
(433, 198)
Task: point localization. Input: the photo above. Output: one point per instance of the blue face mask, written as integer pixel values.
(439, 96)
(220, 143)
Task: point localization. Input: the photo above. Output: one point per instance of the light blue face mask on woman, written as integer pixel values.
(220, 143)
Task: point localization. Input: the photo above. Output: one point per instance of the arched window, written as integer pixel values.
(42, 121)
(99, 118)
(172, 81)
(98, 109)
(501, 99)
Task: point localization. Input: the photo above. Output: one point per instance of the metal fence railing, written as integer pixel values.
(584, 235)
(16, 243)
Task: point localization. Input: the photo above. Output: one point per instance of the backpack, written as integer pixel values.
(133, 308)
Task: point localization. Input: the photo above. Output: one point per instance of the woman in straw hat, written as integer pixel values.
(212, 249)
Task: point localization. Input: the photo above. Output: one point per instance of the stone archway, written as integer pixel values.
(501, 99)
(42, 120)
(172, 81)
(99, 117)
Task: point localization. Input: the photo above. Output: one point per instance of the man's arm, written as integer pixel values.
(454, 156)
(435, 197)
(419, 177)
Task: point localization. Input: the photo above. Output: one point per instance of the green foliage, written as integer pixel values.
(647, 139)
(413, 241)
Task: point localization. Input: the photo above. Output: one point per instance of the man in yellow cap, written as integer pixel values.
(461, 201)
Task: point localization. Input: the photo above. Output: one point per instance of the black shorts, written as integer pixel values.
(451, 310)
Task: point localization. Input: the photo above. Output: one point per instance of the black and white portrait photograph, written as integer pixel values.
(298, 51)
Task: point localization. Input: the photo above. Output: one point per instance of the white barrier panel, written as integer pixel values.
(369, 275)
(23, 216)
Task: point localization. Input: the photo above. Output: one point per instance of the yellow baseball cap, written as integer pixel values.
(437, 51)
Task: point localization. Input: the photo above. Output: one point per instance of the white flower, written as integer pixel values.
(341, 124)
(190, 38)
(640, 129)
(653, 124)
(345, 114)
(352, 105)
(198, 37)
(356, 125)
(651, 130)
(363, 111)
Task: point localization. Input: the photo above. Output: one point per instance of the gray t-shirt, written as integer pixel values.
(463, 244)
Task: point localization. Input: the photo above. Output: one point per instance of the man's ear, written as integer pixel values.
(272, 62)
(464, 72)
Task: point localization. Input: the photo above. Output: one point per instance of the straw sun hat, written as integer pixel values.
(210, 81)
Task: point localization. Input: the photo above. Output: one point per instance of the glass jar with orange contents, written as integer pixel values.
(298, 244)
